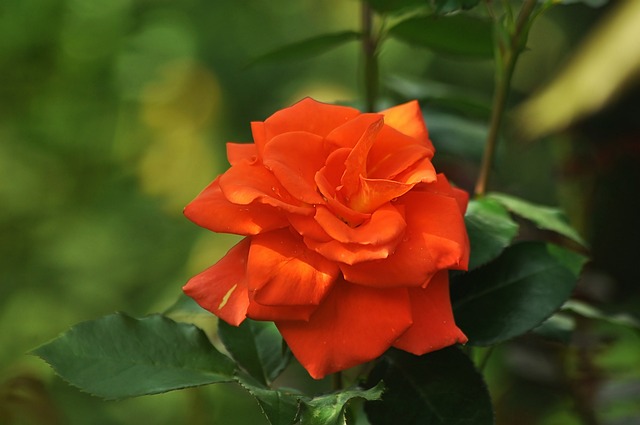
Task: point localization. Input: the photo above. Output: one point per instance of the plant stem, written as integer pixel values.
(509, 56)
(336, 381)
(369, 47)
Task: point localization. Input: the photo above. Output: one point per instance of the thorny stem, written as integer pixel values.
(369, 47)
(508, 55)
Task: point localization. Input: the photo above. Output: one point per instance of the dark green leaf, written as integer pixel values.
(257, 347)
(447, 6)
(460, 35)
(280, 407)
(330, 409)
(439, 388)
(118, 356)
(544, 217)
(307, 48)
(391, 6)
(515, 293)
(490, 229)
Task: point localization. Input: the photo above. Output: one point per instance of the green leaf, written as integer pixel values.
(279, 407)
(392, 6)
(455, 136)
(330, 409)
(490, 229)
(547, 218)
(439, 388)
(118, 356)
(257, 347)
(515, 293)
(447, 6)
(585, 310)
(448, 97)
(307, 48)
(460, 35)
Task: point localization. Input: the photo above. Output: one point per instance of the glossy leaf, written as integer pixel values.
(439, 388)
(330, 409)
(490, 229)
(547, 218)
(515, 293)
(460, 35)
(279, 407)
(307, 48)
(257, 347)
(118, 356)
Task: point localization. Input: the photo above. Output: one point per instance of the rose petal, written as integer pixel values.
(350, 253)
(350, 133)
(375, 193)
(247, 183)
(310, 116)
(282, 271)
(407, 118)
(353, 325)
(385, 225)
(259, 134)
(435, 239)
(398, 161)
(356, 163)
(221, 289)
(328, 181)
(258, 311)
(433, 324)
(295, 158)
(308, 227)
(242, 152)
(211, 210)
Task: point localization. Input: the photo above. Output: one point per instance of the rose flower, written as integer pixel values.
(349, 235)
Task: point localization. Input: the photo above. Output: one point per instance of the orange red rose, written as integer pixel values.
(350, 234)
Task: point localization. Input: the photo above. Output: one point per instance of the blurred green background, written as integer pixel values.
(114, 115)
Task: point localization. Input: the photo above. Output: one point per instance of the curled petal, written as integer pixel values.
(310, 116)
(328, 182)
(259, 136)
(350, 253)
(356, 162)
(211, 210)
(242, 152)
(221, 289)
(294, 158)
(407, 118)
(353, 325)
(282, 271)
(248, 183)
(351, 133)
(308, 227)
(399, 160)
(376, 192)
(385, 225)
(435, 239)
(433, 324)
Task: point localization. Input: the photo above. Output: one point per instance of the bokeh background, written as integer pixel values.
(114, 115)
